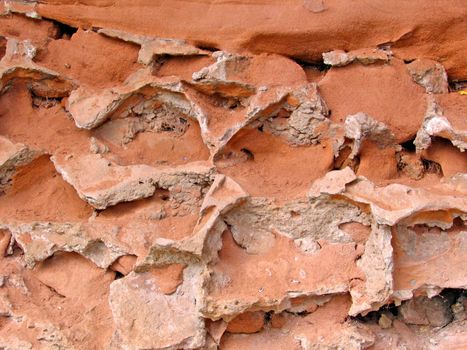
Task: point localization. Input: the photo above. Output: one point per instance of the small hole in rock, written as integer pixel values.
(207, 47)
(457, 85)
(319, 65)
(163, 194)
(248, 153)
(432, 167)
(64, 31)
(409, 145)
(267, 317)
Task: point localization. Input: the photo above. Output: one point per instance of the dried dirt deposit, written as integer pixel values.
(283, 174)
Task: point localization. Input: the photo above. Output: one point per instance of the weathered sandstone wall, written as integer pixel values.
(233, 174)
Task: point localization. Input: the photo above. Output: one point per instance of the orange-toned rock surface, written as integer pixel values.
(265, 174)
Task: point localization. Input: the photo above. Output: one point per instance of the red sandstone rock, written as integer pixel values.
(296, 333)
(429, 74)
(249, 322)
(376, 163)
(451, 160)
(72, 276)
(341, 58)
(5, 238)
(168, 278)
(232, 175)
(124, 264)
(384, 92)
(417, 31)
(425, 311)
(12, 156)
(437, 124)
(85, 57)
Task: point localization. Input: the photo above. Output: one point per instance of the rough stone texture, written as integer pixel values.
(12, 156)
(152, 48)
(429, 74)
(146, 318)
(283, 174)
(107, 184)
(341, 58)
(436, 124)
(424, 311)
(249, 322)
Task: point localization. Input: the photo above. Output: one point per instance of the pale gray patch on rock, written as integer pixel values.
(256, 221)
(148, 319)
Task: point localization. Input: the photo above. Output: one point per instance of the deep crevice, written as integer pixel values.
(319, 65)
(453, 297)
(267, 317)
(409, 145)
(457, 85)
(158, 62)
(3, 43)
(44, 102)
(249, 154)
(374, 316)
(16, 249)
(118, 275)
(53, 290)
(163, 194)
(432, 167)
(64, 31)
(343, 160)
(300, 313)
(409, 60)
(207, 46)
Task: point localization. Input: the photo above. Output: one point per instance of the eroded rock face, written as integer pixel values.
(429, 74)
(12, 157)
(290, 175)
(341, 58)
(147, 316)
